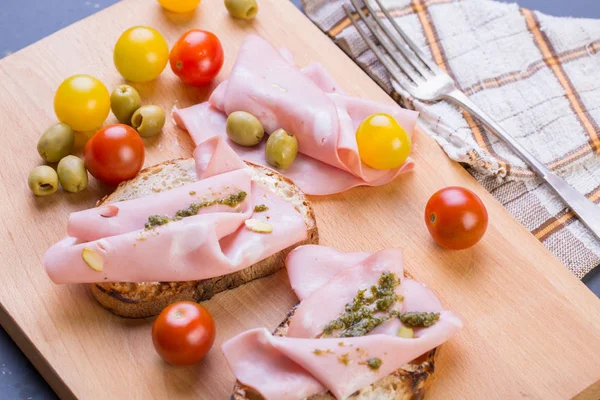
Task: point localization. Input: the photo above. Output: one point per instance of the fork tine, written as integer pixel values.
(432, 66)
(407, 65)
(422, 70)
(394, 71)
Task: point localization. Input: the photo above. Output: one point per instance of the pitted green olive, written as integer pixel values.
(43, 180)
(124, 101)
(72, 174)
(244, 128)
(281, 149)
(244, 9)
(56, 142)
(148, 120)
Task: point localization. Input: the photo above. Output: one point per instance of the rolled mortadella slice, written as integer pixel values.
(194, 248)
(307, 103)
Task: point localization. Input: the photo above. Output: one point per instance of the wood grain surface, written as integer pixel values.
(532, 331)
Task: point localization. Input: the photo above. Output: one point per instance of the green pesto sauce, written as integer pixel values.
(374, 363)
(231, 201)
(260, 208)
(359, 317)
(157, 220)
(419, 319)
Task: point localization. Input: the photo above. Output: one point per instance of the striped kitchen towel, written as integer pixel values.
(537, 75)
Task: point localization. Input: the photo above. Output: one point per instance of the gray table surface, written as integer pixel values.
(23, 22)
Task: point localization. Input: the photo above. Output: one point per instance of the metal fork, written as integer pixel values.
(412, 71)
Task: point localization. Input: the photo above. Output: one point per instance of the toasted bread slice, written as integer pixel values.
(138, 300)
(408, 382)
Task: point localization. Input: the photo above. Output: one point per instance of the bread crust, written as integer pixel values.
(409, 382)
(139, 300)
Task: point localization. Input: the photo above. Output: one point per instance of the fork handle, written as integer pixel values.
(587, 211)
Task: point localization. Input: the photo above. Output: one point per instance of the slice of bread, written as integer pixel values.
(408, 382)
(138, 300)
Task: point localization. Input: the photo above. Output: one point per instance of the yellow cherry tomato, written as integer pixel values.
(179, 6)
(82, 102)
(141, 54)
(382, 142)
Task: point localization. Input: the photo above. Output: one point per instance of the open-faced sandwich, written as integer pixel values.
(183, 230)
(362, 330)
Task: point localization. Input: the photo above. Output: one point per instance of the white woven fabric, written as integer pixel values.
(538, 76)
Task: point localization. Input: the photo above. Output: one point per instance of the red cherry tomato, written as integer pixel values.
(197, 57)
(183, 333)
(114, 154)
(456, 218)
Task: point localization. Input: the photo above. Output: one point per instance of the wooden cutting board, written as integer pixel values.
(533, 329)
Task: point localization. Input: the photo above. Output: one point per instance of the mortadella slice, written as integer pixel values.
(308, 103)
(257, 363)
(326, 303)
(220, 171)
(281, 96)
(215, 157)
(300, 365)
(130, 215)
(341, 365)
(315, 72)
(279, 366)
(246, 247)
(310, 266)
(204, 122)
(418, 297)
(322, 78)
(198, 247)
(185, 250)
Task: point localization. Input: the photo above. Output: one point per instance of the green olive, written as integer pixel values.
(244, 9)
(124, 100)
(281, 149)
(244, 128)
(43, 180)
(148, 120)
(72, 174)
(56, 142)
